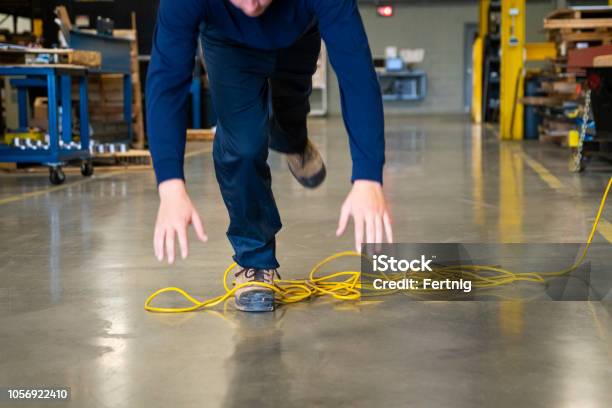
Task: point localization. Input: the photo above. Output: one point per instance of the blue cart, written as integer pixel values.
(61, 148)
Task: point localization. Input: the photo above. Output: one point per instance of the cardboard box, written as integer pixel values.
(40, 114)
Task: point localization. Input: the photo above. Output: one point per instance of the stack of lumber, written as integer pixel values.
(105, 107)
(561, 97)
(579, 27)
(137, 108)
(561, 86)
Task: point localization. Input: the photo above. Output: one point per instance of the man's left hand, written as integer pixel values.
(366, 204)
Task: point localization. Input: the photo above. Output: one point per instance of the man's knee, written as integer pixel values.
(252, 152)
(243, 145)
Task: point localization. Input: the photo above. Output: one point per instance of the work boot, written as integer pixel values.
(307, 167)
(255, 298)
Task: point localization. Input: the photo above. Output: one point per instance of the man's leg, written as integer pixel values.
(291, 86)
(239, 89)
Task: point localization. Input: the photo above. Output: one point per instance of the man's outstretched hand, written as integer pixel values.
(366, 204)
(176, 213)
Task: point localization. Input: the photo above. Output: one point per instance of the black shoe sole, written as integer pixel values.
(312, 181)
(256, 301)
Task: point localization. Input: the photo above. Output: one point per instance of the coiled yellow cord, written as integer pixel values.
(346, 285)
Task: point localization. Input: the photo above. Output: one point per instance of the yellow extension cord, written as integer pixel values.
(346, 285)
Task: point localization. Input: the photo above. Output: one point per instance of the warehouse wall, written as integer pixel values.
(536, 11)
(439, 29)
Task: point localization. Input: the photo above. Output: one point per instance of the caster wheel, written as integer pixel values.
(56, 175)
(87, 168)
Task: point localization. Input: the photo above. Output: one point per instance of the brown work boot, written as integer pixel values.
(307, 167)
(255, 298)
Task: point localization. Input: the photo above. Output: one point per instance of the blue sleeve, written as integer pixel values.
(347, 44)
(168, 80)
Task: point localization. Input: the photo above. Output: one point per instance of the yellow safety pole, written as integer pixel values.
(512, 62)
(483, 18)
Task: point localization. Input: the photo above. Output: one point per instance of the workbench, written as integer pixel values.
(402, 85)
(57, 79)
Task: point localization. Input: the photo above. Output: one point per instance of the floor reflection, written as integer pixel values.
(55, 252)
(257, 373)
(405, 147)
(511, 193)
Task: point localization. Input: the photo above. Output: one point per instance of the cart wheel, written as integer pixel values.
(56, 175)
(87, 168)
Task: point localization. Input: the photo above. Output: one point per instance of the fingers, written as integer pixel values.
(164, 239)
(198, 227)
(343, 221)
(388, 228)
(359, 221)
(370, 228)
(170, 245)
(158, 243)
(378, 230)
(181, 232)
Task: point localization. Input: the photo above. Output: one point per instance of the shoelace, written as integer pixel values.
(258, 275)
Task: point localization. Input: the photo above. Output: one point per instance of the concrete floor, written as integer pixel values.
(78, 265)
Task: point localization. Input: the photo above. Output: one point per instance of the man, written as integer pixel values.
(260, 57)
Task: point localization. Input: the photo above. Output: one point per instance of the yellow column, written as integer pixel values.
(477, 55)
(512, 60)
(483, 20)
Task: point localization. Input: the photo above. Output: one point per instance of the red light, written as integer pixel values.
(385, 11)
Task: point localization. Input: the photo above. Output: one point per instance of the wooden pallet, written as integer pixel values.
(554, 138)
(579, 18)
(561, 88)
(132, 159)
(603, 61)
(555, 131)
(90, 59)
(550, 101)
(589, 12)
(569, 27)
(601, 35)
(194, 135)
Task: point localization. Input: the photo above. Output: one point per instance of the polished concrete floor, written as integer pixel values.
(77, 265)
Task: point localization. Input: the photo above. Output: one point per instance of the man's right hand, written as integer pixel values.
(175, 214)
